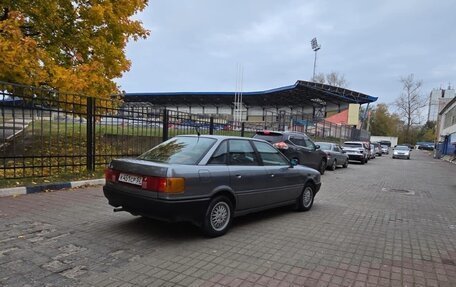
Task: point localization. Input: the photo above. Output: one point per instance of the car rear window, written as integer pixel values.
(179, 150)
(324, 146)
(353, 144)
(269, 137)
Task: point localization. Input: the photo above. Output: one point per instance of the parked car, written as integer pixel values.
(387, 143)
(378, 148)
(372, 152)
(336, 155)
(425, 145)
(401, 151)
(208, 180)
(297, 146)
(356, 151)
(385, 149)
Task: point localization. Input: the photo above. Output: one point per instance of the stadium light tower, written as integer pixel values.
(315, 47)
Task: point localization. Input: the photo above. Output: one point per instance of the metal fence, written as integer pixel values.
(45, 132)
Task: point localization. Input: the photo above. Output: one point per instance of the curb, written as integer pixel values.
(448, 158)
(13, 191)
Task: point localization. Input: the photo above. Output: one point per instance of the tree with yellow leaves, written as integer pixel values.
(75, 46)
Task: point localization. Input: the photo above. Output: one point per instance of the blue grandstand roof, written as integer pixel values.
(293, 94)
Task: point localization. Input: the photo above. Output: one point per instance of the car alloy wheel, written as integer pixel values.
(305, 201)
(218, 217)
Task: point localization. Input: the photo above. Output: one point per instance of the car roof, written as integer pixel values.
(324, 143)
(219, 137)
(266, 132)
(357, 142)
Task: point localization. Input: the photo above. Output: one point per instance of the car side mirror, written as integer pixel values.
(317, 146)
(344, 151)
(293, 162)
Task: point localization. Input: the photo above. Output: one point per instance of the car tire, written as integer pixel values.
(363, 161)
(345, 165)
(408, 157)
(218, 217)
(322, 167)
(334, 165)
(306, 199)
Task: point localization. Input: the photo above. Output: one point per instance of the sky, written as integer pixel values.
(197, 45)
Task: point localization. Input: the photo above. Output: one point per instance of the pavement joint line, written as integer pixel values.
(13, 191)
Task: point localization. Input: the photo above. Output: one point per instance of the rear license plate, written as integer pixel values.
(132, 179)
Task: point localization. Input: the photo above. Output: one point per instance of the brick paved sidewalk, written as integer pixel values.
(386, 223)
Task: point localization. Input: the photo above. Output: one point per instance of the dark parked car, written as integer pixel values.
(208, 180)
(336, 156)
(297, 146)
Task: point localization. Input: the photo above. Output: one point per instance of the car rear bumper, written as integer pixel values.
(401, 155)
(355, 156)
(167, 210)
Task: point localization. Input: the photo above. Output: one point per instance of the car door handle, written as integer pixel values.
(238, 176)
(272, 175)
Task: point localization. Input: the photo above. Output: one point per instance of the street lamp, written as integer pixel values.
(315, 47)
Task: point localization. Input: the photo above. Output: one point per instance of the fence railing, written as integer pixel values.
(44, 132)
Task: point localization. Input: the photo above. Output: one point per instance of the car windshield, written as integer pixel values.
(324, 146)
(353, 145)
(179, 150)
(402, 147)
(384, 146)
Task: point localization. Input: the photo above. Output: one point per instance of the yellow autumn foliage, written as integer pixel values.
(74, 46)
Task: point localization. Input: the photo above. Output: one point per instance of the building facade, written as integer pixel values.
(438, 99)
(447, 128)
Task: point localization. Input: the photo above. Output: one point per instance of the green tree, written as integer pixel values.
(427, 132)
(69, 45)
(382, 123)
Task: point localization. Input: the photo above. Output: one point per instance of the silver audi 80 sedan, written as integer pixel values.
(208, 180)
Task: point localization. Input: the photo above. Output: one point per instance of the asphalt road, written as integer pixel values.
(386, 223)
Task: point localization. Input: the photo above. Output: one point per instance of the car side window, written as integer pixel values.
(309, 144)
(270, 155)
(297, 140)
(241, 153)
(220, 155)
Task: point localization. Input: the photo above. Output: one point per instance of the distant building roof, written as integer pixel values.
(339, 118)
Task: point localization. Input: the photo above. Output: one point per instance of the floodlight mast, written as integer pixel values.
(315, 47)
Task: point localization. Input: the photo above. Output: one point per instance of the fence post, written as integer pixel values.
(211, 125)
(90, 134)
(165, 125)
(242, 129)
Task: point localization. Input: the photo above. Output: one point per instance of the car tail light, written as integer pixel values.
(281, 145)
(111, 175)
(164, 184)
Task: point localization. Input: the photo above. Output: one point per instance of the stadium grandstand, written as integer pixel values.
(307, 98)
